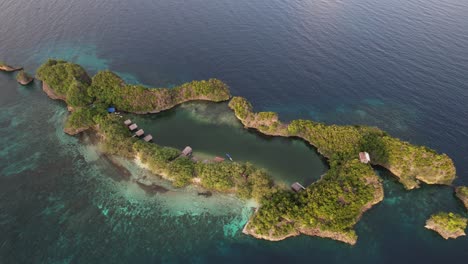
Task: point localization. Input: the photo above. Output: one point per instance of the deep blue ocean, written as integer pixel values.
(401, 65)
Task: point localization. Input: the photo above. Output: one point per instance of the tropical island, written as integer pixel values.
(448, 225)
(329, 208)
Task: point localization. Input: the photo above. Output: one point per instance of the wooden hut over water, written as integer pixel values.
(133, 127)
(140, 133)
(364, 157)
(297, 187)
(187, 151)
(148, 138)
(128, 122)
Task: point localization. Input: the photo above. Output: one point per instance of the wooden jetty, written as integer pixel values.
(148, 138)
(140, 133)
(128, 122)
(187, 151)
(133, 127)
(297, 187)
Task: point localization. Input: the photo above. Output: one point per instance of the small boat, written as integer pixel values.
(229, 157)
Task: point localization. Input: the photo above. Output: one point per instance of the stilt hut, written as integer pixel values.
(128, 122)
(133, 127)
(148, 138)
(297, 187)
(187, 151)
(364, 157)
(140, 133)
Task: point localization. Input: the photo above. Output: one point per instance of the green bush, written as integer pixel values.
(61, 75)
(110, 89)
(82, 118)
(449, 221)
(182, 171)
(333, 203)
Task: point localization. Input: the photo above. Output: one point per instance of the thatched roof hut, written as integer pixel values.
(140, 133)
(148, 138)
(128, 122)
(133, 127)
(187, 151)
(297, 187)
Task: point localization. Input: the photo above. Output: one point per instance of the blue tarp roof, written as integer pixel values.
(111, 109)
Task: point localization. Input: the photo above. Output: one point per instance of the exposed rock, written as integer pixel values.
(74, 131)
(448, 225)
(23, 78)
(8, 68)
(346, 237)
(462, 194)
(46, 88)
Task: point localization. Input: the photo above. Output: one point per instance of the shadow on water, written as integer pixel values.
(152, 189)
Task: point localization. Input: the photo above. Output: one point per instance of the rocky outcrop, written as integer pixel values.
(8, 68)
(448, 225)
(345, 236)
(462, 194)
(23, 78)
(74, 131)
(50, 92)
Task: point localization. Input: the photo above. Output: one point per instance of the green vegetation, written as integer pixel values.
(329, 208)
(219, 176)
(448, 225)
(334, 203)
(450, 221)
(64, 76)
(23, 78)
(409, 163)
(116, 137)
(110, 89)
(85, 96)
(242, 108)
(182, 170)
(245, 179)
(82, 119)
(156, 157)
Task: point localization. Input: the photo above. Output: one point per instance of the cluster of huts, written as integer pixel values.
(140, 133)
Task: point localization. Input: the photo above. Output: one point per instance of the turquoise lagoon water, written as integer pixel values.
(399, 65)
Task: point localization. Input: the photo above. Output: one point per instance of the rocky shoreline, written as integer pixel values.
(23, 78)
(443, 231)
(106, 89)
(462, 194)
(269, 124)
(338, 236)
(8, 68)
